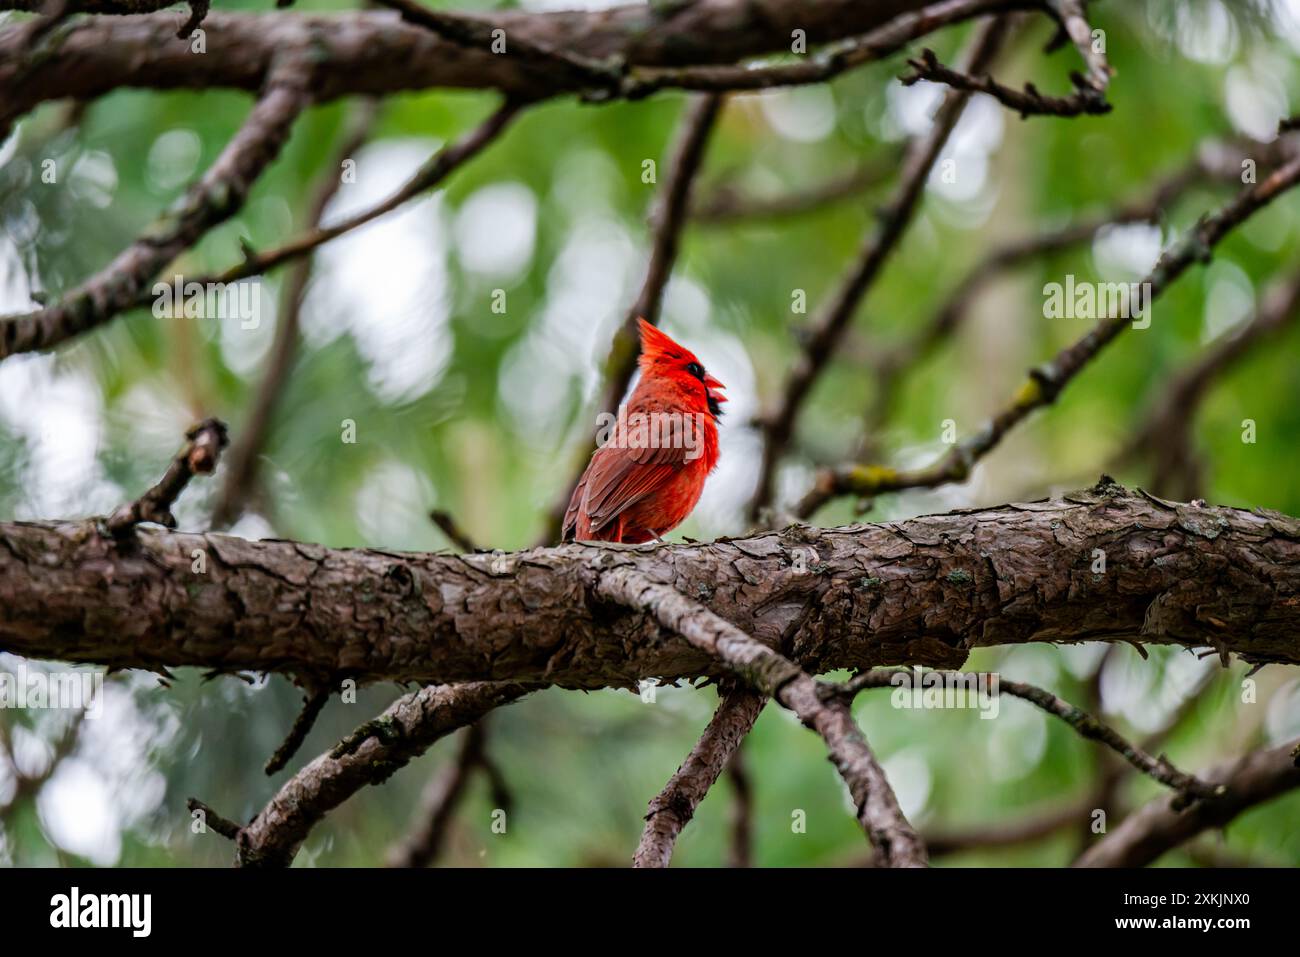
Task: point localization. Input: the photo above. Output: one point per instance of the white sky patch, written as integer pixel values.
(245, 343)
(1286, 18)
(1229, 298)
(909, 110)
(386, 284)
(173, 159)
(1206, 32)
(1128, 249)
(587, 289)
(496, 229)
(961, 172)
(910, 775)
(76, 812)
(1282, 719)
(802, 114)
(392, 506)
(1016, 740)
(57, 413)
(93, 179)
(1256, 98)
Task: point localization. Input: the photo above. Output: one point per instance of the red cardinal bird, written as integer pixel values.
(643, 481)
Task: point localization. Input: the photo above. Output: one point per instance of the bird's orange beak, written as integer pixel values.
(711, 383)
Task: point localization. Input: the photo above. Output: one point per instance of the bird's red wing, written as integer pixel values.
(616, 481)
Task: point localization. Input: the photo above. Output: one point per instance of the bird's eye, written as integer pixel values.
(696, 370)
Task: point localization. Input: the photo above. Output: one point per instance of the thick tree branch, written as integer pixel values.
(776, 676)
(383, 746)
(1158, 827)
(828, 327)
(376, 53)
(212, 200)
(1046, 381)
(922, 591)
(673, 807)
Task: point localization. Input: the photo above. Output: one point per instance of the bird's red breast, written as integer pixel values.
(648, 476)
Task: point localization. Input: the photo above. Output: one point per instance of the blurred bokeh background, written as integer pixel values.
(480, 412)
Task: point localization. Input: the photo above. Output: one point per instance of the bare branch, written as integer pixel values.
(1075, 23)
(313, 704)
(1164, 435)
(1158, 826)
(372, 53)
(373, 754)
(198, 456)
(1046, 381)
(1159, 769)
(243, 460)
(1027, 102)
(673, 807)
(776, 676)
(828, 328)
(740, 852)
(434, 171)
(448, 525)
(214, 199)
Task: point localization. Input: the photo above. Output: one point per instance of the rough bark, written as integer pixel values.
(672, 808)
(374, 52)
(924, 590)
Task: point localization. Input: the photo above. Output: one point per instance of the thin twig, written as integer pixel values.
(1046, 381)
(441, 796)
(244, 459)
(448, 525)
(828, 327)
(889, 363)
(198, 456)
(740, 852)
(211, 819)
(215, 198)
(370, 755)
(1157, 768)
(1027, 102)
(723, 205)
(313, 704)
(1159, 826)
(435, 170)
(1164, 435)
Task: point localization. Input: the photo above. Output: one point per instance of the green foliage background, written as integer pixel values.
(582, 766)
